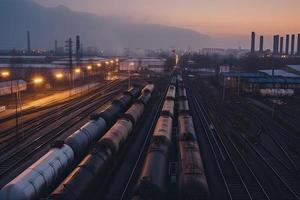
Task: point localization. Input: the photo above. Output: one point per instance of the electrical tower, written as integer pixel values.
(69, 49)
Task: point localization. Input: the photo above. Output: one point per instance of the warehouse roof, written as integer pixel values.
(295, 67)
(278, 72)
(274, 80)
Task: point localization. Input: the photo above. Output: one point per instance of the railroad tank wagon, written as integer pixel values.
(124, 100)
(149, 87)
(192, 180)
(145, 97)
(181, 92)
(40, 176)
(81, 180)
(85, 136)
(186, 127)
(171, 92)
(163, 129)
(183, 104)
(135, 112)
(168, 107)
(135, 92)
(152, 181)
(117, 135)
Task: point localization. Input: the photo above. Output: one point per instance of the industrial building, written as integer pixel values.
(140, 64)
(280, 81)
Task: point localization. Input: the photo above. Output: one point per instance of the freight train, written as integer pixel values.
(79, 183)
(152, 181)
(192, 180)
(50, 168)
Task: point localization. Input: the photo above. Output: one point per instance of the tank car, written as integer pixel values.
(79, 183)
(163, 129)
(181, 91)
(149, 87)
(40, 176)
(116, 135)
(171, 92)
(183, 104)
(186, 127)
(85, 136)
(135, 112)
(152, 181)
(192, 180)
(168, 107)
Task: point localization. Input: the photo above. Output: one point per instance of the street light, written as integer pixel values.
(59, 75)
(38, 80)
(5, 74)
(106, 62)
(77, 70)
(89, 67)
(99, 65)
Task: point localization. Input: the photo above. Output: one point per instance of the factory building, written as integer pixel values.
(263, 82)
(275, 44)
(140, 64)
(287, 44)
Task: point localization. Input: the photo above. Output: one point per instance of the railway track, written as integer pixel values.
(9, 163)
(142, 153)
(8, 138)
(256, 186)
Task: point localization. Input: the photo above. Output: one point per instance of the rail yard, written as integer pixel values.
(168, 137)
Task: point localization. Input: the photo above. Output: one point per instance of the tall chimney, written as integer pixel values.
(275, 44)
(55, 47)
(28, 42)
(293, 45)
(252, 42)
(261, 44)
(281, 45)
(287, 44)
(298, 45)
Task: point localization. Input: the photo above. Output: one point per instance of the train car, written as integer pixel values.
(134, 92)
(117, 135)
(39, 176)
(78, 184)
(163, 129)
(149, 87)
(186, 127)
(168, 107)
(171, 92)
(81, 180)
(85, 136)
(181, 92)
(192, 181)
(135, 112)
(183, 104)
(145, 97)
(152, 181)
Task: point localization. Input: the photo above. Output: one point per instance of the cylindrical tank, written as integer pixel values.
(152, 181)
(183, 104)
(181, 92)
(116, 135)
(149, 87)
(145, 97)
(78, 184)
(163, 129)
(135, 112)
(186, 127)
(171, 92)
(168, 107)
(40, 176)
(192, 181)
(85, 136)
(134, 91)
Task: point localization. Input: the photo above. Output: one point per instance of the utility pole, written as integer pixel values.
(70, 54)
(224, 88)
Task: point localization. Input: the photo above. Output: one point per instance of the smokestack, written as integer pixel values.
(293, 45)
(281, 46)
(298, 45)
(77, 46)
(252, 42)
(261, 44)
(287, 44)
(28, 42)
(275, 44)
(55, 47)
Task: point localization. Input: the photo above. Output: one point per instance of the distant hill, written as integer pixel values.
(47, 24)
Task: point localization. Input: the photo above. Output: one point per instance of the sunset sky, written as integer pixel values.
(206, 16)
